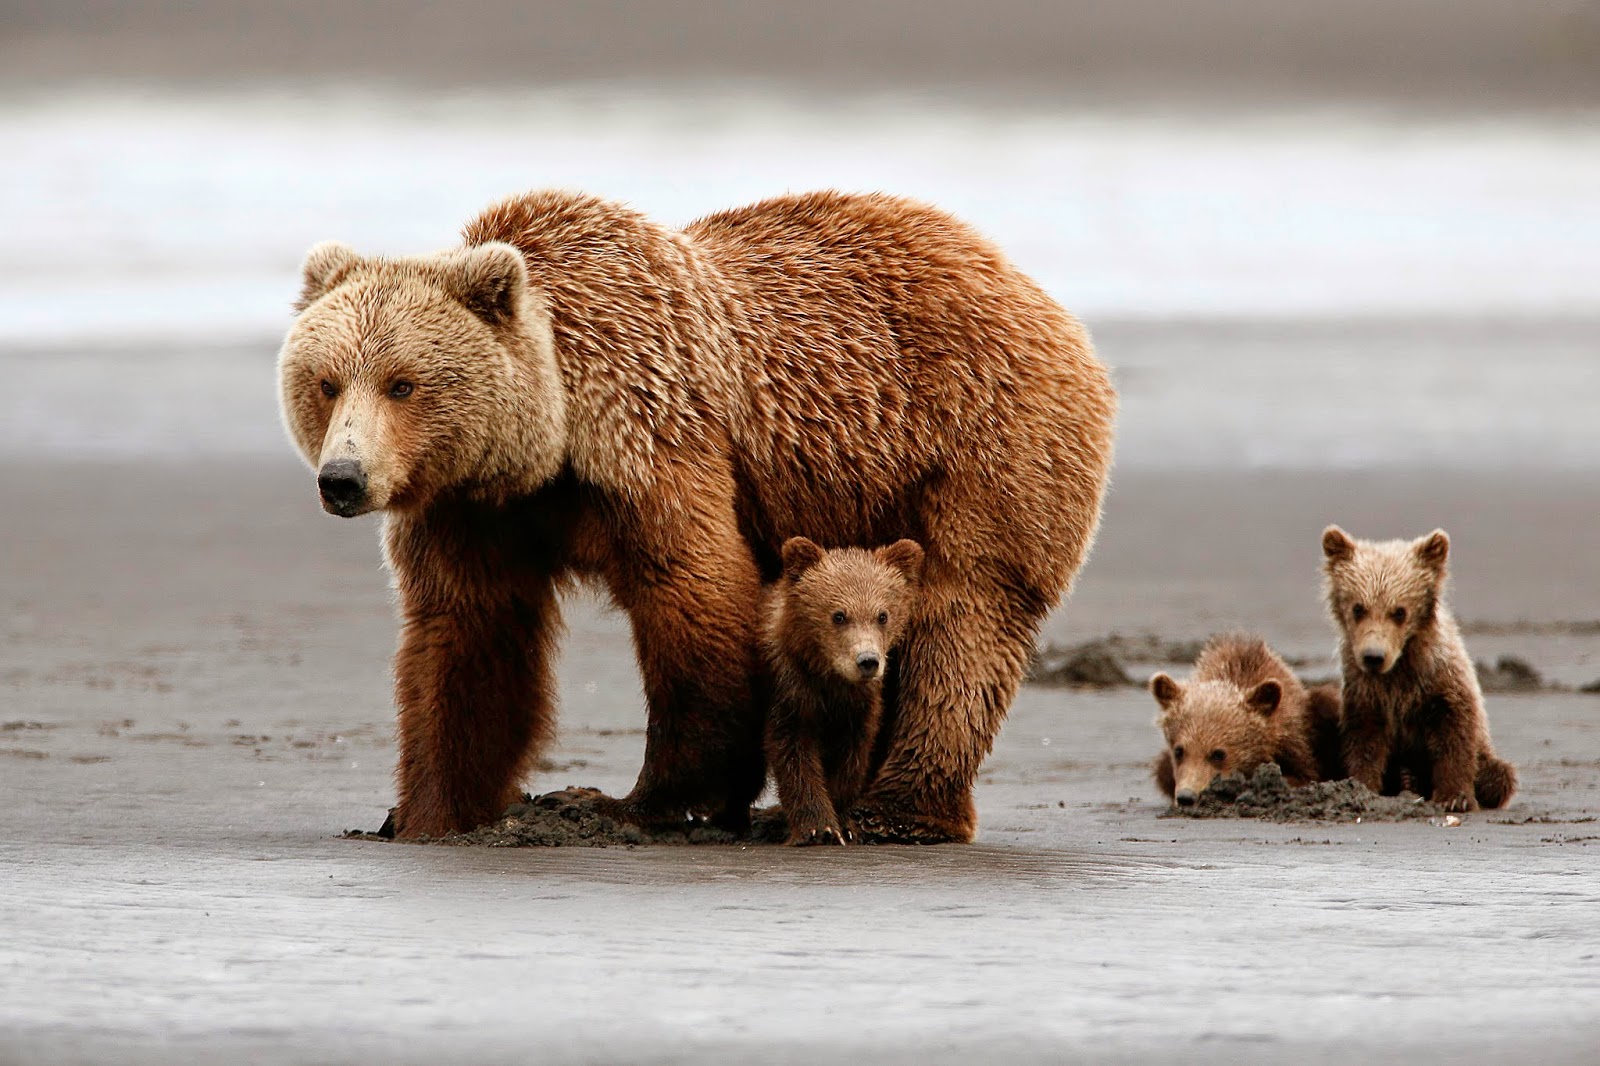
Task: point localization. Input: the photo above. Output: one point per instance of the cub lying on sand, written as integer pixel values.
(1413, 712)
(1243, 707)
(830, 622)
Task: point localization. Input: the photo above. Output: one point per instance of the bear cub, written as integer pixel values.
(1413, 711)
(830, 622)
(1243, 707)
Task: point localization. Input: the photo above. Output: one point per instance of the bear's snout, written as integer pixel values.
(868, 663)
(1372, 661)
(1185, 797)
(343, 485)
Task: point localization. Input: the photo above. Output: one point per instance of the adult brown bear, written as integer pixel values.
(581, 393)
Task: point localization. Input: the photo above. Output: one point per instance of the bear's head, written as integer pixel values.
(1382, 593)
(402, 379)
(1214, 728)
(842, 610)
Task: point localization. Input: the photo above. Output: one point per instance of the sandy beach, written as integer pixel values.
(193, 666)
(1342, 267)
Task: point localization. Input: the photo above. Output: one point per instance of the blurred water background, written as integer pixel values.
(1304, 238)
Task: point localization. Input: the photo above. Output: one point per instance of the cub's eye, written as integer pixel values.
(883, 618)
(329, 389)
(1177, 753)
(400, 390)
(838, 618)
(1219, 756)
(1399, 616)
(1358, 612)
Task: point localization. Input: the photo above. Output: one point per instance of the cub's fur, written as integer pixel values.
(1413, 712)
(831, 620)
(1243, 707)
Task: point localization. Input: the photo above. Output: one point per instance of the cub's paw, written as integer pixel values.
(806, 834)
(1461, 802)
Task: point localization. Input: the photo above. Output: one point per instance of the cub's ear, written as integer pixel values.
(1433, 550)
(325, 266)
(1165, 690)
(1265, 697)
(799, 555)
(1337, 545)
(906, 557)
(490, 279)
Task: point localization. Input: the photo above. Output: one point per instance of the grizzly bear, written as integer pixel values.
(831, 620)
(1413, 711)
(1243, 707)
(580, 393)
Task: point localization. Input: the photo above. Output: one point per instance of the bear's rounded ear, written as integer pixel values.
(491, 280)
(1337, 545)
(1165, 690)
(325, 266)
(1433, 550)
(906, 557)
(1265, 698)
(799, 555)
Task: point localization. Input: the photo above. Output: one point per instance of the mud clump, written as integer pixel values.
(1103, 663)
(1509, 674)
(576, 818)
(1266, 795)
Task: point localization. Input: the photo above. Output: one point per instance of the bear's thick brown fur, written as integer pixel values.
(1243, 707)
(831, 621)
(581, 393)
(1413, 711)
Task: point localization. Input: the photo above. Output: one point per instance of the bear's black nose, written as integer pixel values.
(1184, 797)
(867, 662)
(1372, 661)
(343, 485)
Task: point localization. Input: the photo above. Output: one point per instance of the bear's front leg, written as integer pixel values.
(692, 592)
(1453, 745)
(1367, 742)
(796, 762)
(472, 687)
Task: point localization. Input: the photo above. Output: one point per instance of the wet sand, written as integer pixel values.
(195, 691)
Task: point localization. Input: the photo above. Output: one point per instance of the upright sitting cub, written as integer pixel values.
(830, 622)
(1242, 707)
(1413, 712)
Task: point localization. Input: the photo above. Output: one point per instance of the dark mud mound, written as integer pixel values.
(1266, 795)
(575, 818)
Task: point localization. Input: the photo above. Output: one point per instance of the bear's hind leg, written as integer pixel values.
(961, 661)
(1496, 782)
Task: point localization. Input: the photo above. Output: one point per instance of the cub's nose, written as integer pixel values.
(1372, 661)
(868, 663)
(343, 485)
(1185, 797)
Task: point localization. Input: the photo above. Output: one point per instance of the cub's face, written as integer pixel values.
(845, 609)
(402, 378)
(1213, 728)
(1382, 593)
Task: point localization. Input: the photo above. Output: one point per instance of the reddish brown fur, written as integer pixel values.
(1413, 711)
(828, 614)
(1241, 707)
(660, 410)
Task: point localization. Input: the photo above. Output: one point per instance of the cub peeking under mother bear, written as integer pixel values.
(579, 393)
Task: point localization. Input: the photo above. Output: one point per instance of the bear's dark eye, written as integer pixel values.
(400, 390)
(329, 389)
(838, 618)
(1399, 616)
(1219, 756)
(1358, 612)
(883, 618)
(1177, 753)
